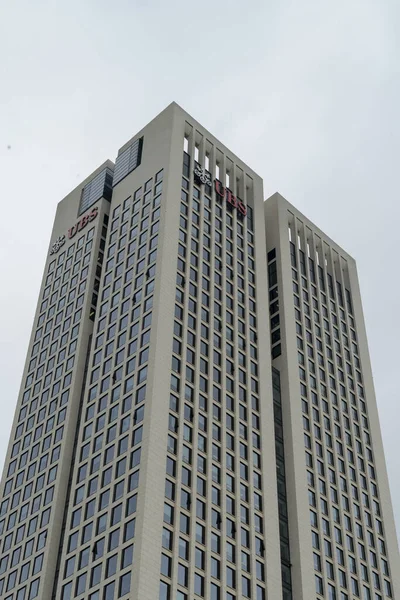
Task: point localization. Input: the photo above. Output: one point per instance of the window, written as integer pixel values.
(246, 588)
(166, 565)
(319, 588)
(95, 575)
(230, 577)
(124, 585)
(129, 530)
(164, 591)
(199, 585)
(109, 591)
(66, 592)
(80, 584)
(111, 565)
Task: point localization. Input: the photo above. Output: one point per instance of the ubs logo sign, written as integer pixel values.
(83, 222)
(201, 176)
(72, 231)
(57, 244)
(226, 194)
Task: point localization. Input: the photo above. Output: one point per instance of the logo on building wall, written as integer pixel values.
(202, 176)
(83, 222)
(57, 244)
(225, 193)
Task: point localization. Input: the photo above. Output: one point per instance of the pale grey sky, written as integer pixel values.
(307, 93)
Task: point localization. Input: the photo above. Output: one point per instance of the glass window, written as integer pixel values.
(164, 591)
(109, 591)
(124, 585)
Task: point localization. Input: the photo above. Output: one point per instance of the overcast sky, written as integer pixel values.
(305, 92)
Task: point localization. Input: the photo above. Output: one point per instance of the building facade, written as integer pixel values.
(196, 416)
(342, 534)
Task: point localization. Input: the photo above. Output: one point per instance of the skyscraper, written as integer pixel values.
(196, 416)
(342, 535)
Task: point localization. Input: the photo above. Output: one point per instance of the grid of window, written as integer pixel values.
(98, 550)
(128, 160)
(274, 305)
(213, 512)
(347, 532)
(38, 441)
(99, 187)
(281, 482)
(279, 447)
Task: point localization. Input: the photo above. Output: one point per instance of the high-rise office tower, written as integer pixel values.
(196, 417)
(342, 535)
